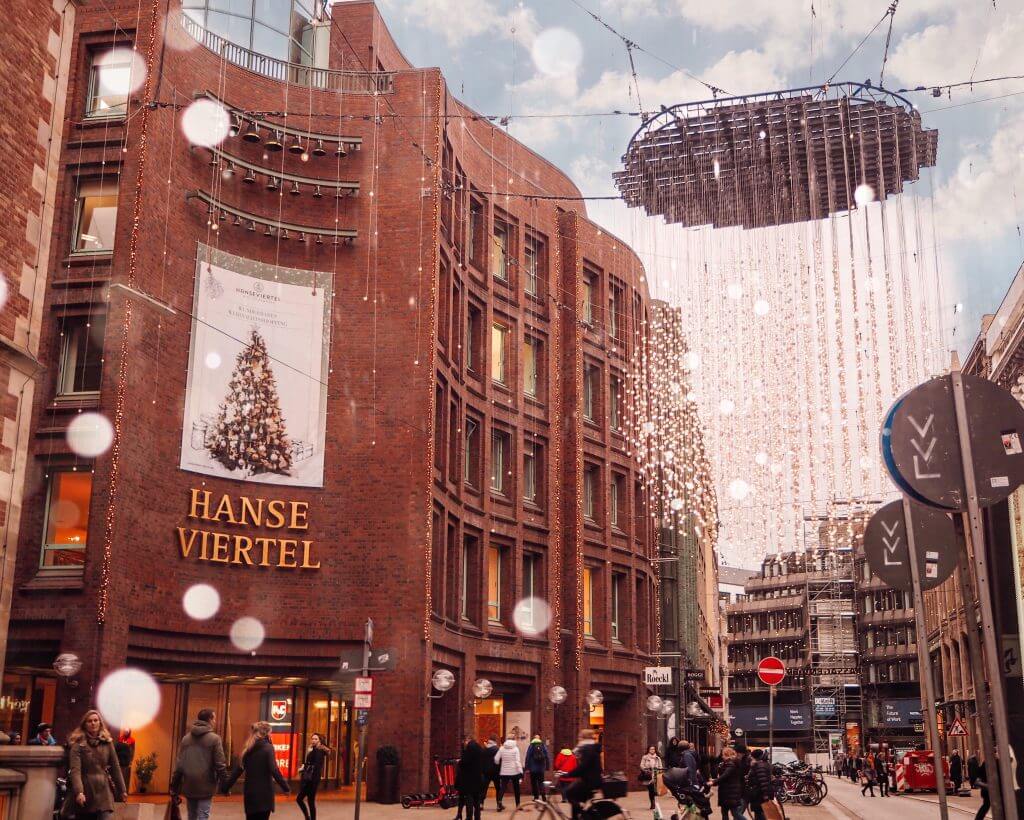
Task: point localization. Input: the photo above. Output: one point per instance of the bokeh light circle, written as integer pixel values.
(128, 699)
(90, 434)
(557, 52)
(206, 123)
(247, 634)
(201, 602)
(531, 616)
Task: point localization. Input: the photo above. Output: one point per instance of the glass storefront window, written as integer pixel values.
(67, 519)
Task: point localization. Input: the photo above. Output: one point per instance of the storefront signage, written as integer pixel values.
(657, 675)
(824, 706)
(787, 718)
(246, 548)
(905, 712)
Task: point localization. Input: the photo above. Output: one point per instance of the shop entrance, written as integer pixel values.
(294, 713)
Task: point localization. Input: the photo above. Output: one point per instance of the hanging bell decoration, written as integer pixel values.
(237, 221)
(271, 183)
(234, 128)
(295, 189)
(223, 216)
(319, 239)
(213, 160)
(318, 149)
(284, 234)
(229, 171)
(252, 225)
(269, 231)
(252, 133)
(341, 150)
(296, 147)
(302, 236)
(316, 192)
(250, 177)
(273, 143)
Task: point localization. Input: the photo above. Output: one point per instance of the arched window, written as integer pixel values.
(282, 29)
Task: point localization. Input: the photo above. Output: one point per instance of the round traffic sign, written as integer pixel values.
(888, 554)
(771, 671)
(921, 442)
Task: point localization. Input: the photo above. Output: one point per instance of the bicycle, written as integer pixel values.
(597, 808)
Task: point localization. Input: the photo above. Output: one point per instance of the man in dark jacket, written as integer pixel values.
(730, 785)
(759, 783)
(882, 770)
(973, 764)
(587, 773)
(469, 780)
(956, 770)
(538, 761)
(492, 772)
(688, 761)
(201, 766)
(674, 754)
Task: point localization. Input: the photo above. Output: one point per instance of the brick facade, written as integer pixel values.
(396, 510)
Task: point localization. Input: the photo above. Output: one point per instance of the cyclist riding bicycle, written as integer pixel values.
(587, 774)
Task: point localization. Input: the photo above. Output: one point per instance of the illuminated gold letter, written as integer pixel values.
(276, 509)
(200, 499)
(300, 515)
(220, 548)
(225, 507)
(186, 548)
(242, 552)
(286, 553)
(251, 514)
(306, 547)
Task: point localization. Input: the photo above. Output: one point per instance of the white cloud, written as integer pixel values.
(461, 20)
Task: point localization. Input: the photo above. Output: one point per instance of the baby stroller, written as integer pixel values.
(692, 799)
(447, 795)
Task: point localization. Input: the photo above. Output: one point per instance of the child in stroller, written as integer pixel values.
(691, 797)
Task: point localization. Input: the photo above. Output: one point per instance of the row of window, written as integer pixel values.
(765, 622)
(747, 653)
(481, 587)
(883, 636)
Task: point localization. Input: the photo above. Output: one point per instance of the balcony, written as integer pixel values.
(325, 79)
(766, 605)
(752, 635)
(883, 653)
(889, 616)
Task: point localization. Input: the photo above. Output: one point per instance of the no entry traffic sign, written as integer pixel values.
(886, 548)
(771, 671)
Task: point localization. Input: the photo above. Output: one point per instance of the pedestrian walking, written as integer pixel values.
(201, 766)
(510, 770)
(538, 761)
(730, 786)
(972, 769)
(882, 774)
(491, 769)
(858, 765)
(688, 761)
(650, 764)
(956, 771)
(469, 780)
(311, 774)
(758, 784)
(981, 779)
(587, 774)
(674, 754)
(95, 778)
(868, 778)
(259, 763)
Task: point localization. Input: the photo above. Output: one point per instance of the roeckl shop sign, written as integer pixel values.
(242, 548)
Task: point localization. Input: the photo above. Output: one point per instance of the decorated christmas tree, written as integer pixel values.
(249, 433)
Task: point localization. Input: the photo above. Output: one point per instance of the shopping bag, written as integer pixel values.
(173, 809)
(661, 789)
(773, 811)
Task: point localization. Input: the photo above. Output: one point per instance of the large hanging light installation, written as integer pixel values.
(806, 275)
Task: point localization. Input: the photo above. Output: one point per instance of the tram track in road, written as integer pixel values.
(846, 798)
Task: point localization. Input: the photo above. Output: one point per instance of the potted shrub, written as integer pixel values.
(144, 768)
(387, 774)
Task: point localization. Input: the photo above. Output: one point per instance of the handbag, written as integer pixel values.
(173, 809)
(645, 776)
(69, 809)
(772, 810)
(661, 789)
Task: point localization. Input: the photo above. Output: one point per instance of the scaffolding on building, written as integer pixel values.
(830, 540)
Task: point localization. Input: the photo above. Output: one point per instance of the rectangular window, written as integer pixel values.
(588, 602)
(530, 459)
(464, 588)
(531, 354)
(590, 492)
(616, 594)
(110, 77)
(471, 452)
(501, 446)
(499, 353)
(477, 222)
(588, 300)
(531, 590)
(616, 312)
(616, 499)
(453, 442)
(500, 250)
(614, 402)
(81, 356)
(534, 265)
(67, 519)
(474, 346)
(494, 584)
(591, 386)
(95, 216)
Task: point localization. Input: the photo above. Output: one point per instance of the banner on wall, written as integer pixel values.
(256, 397)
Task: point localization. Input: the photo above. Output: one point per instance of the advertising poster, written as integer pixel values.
(256, 398)
(277, 711)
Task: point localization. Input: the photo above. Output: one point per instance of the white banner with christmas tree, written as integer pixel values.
(256, 400)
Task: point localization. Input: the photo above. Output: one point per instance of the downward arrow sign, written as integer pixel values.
(919, 475)
(925, 454)
(891, 530)
(922, 431)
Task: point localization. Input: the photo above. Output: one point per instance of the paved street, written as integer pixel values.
(846, 801)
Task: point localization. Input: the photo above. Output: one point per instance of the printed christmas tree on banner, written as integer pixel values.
(249, 433)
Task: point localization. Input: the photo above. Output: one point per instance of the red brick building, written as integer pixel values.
(477, 334)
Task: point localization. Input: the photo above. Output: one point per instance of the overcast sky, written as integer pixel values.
(549, 56)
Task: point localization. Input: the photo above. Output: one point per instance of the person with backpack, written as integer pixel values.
(201, 766)
(538, 761)
(758, 784)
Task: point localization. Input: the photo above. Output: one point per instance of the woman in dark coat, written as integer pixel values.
(759, 784)
(312, 772)
(469, 780)
(260, 767)
(730, 786)
(95, 777)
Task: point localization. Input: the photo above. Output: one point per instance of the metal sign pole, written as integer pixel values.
(771, 721)
(924, 660)
(361, 757)
(994, 670)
